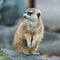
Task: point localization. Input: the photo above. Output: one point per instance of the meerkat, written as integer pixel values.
(29, 33)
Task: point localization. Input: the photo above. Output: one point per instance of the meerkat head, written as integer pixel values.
(32, 14)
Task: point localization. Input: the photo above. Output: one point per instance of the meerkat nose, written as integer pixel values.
(24, 16)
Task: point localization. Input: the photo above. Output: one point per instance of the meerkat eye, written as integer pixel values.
(29, 13)
(38, 15)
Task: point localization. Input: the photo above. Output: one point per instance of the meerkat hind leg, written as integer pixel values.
(33, 51)
(23, 50)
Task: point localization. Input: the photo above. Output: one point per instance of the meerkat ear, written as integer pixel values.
(38, 15)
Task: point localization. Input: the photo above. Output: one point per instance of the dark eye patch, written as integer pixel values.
(29, 13)
(38, 15)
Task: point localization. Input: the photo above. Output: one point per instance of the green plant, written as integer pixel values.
(3, 56)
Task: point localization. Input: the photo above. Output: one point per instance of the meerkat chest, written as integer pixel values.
(33, 28)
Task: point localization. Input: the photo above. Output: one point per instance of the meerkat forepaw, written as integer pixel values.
(33, 43)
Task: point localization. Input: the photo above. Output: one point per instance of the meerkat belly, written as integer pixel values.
(32, 30)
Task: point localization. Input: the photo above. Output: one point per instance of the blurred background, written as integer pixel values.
(11, 12)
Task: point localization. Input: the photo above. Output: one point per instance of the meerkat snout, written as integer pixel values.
(24, 16)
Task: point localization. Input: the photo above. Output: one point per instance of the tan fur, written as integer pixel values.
(24, 34)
